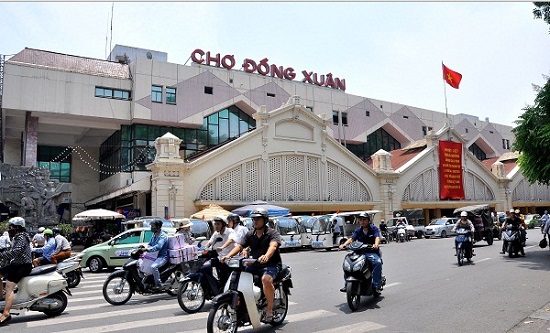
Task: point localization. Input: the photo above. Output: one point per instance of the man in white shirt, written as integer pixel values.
(223, 232)
(234, 222)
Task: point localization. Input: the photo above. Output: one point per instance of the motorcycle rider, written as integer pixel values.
(47, 250)
(234, 222)
(62, 247)
(516, 223)
(159, 242)
(38, 239)
(384, 229)
(368, 233)
(220, 224)
(263, 244)
(19, 263)
(465, 223)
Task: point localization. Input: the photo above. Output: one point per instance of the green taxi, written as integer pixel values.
(116, 251)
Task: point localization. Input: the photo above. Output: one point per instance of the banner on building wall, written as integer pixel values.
(451, 185)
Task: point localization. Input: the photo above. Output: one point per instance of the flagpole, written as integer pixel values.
(445, 94)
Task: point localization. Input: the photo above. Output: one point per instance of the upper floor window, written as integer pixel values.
(426, 129)
(112, 93)
(208, 90)
(335, 118)
(345, 118)
(156, 94)
(170, 95)
(57, 160)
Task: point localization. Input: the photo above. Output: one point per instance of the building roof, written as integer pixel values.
(509, 164)
(70, 63)
(400, 157)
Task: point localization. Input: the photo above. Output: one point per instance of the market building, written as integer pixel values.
(144, 136)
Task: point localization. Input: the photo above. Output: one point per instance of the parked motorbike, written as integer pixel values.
(70, 269)
(243, 300)
(514, 244)
(358, 274)
(195, 288)
(42, 290)
(402, 234)
(463, 245)
(121, 284)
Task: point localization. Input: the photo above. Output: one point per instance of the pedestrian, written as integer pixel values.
(5, 242)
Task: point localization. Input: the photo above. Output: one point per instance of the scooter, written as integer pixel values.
(402, 234)
(243, 300)
(197, 287)
(121, 284)
(70, 268)
(42, 290)
(358, 274)
(463, 245)
(512, 237)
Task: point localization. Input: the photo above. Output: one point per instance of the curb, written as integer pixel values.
(537, 322)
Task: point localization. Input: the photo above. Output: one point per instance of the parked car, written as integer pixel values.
(116, 251)
(532, 221)
(145, 221)
(440, 227)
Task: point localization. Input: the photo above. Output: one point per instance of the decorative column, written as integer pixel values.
(167, 177)
(30, 141)
(503, 195)
(387, 177)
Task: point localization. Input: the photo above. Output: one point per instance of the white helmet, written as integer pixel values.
(463, 214)
(17, 221)
(41, 229)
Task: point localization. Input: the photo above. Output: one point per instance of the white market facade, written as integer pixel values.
(291, 151)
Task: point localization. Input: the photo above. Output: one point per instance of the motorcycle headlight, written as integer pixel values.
(234, 263)
(358, 264)
(346, 266)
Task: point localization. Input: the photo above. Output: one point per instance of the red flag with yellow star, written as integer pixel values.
(451, 77)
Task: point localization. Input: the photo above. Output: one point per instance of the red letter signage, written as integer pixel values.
(451, 185)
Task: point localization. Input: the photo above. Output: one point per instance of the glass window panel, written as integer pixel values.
(213, 118)
(126, 95)
(108, 93)
(117, 94)
(156, 94)
(223, 130)
(224, 113)
(170, 95)
(98, 92)
(233, 126)
(190, 135)
(214, 135)
(141, 131)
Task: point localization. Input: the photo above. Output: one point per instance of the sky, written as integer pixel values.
(390, 51)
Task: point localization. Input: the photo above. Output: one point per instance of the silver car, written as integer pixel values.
(441, 227)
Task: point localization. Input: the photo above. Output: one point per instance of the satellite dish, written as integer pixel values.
(149, 55)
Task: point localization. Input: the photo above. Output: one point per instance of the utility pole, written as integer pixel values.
(2, 59)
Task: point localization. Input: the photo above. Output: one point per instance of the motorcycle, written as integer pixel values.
(243, 300)
(121, 284)
(197, 287)
(385, 237)
(402, 234)
(358, 274)
(42, 290)
(514, 244)
(463, 245)
(70, 269)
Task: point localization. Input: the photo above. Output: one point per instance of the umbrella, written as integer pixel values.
(271, 209)
(210, 212)
(97, 214)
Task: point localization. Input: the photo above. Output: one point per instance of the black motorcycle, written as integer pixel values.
(197, 287)
(121, 284)
(514, 243)
(358, 274)
(463, 245)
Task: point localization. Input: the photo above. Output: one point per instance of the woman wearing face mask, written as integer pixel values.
(19, 262)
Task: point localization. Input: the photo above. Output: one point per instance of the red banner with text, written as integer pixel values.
(451, 184)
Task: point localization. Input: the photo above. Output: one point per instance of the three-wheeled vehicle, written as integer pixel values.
(322, 231)
(289, 230)
(480, 216)
(305, 223)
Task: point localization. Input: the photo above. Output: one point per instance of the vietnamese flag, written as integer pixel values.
(451, 77)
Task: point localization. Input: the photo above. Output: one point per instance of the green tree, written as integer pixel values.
(533, 130)
(542, 11)
(533, 137)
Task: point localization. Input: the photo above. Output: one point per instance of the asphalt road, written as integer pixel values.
(426, 292)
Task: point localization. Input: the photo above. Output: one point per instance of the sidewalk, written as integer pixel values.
(537, 322)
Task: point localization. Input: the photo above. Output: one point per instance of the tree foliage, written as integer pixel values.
(542, 11)
(533, 130)
(533, 137)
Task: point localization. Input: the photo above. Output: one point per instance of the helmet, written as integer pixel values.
(233, 217)
(364, 215)
(517, 211)
(259, 212)
(56, 231)
(48, 232)
(41, 229)
(463, 214)
(220, 219)
(17, 221)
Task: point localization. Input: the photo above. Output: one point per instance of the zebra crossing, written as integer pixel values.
(88, 311)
